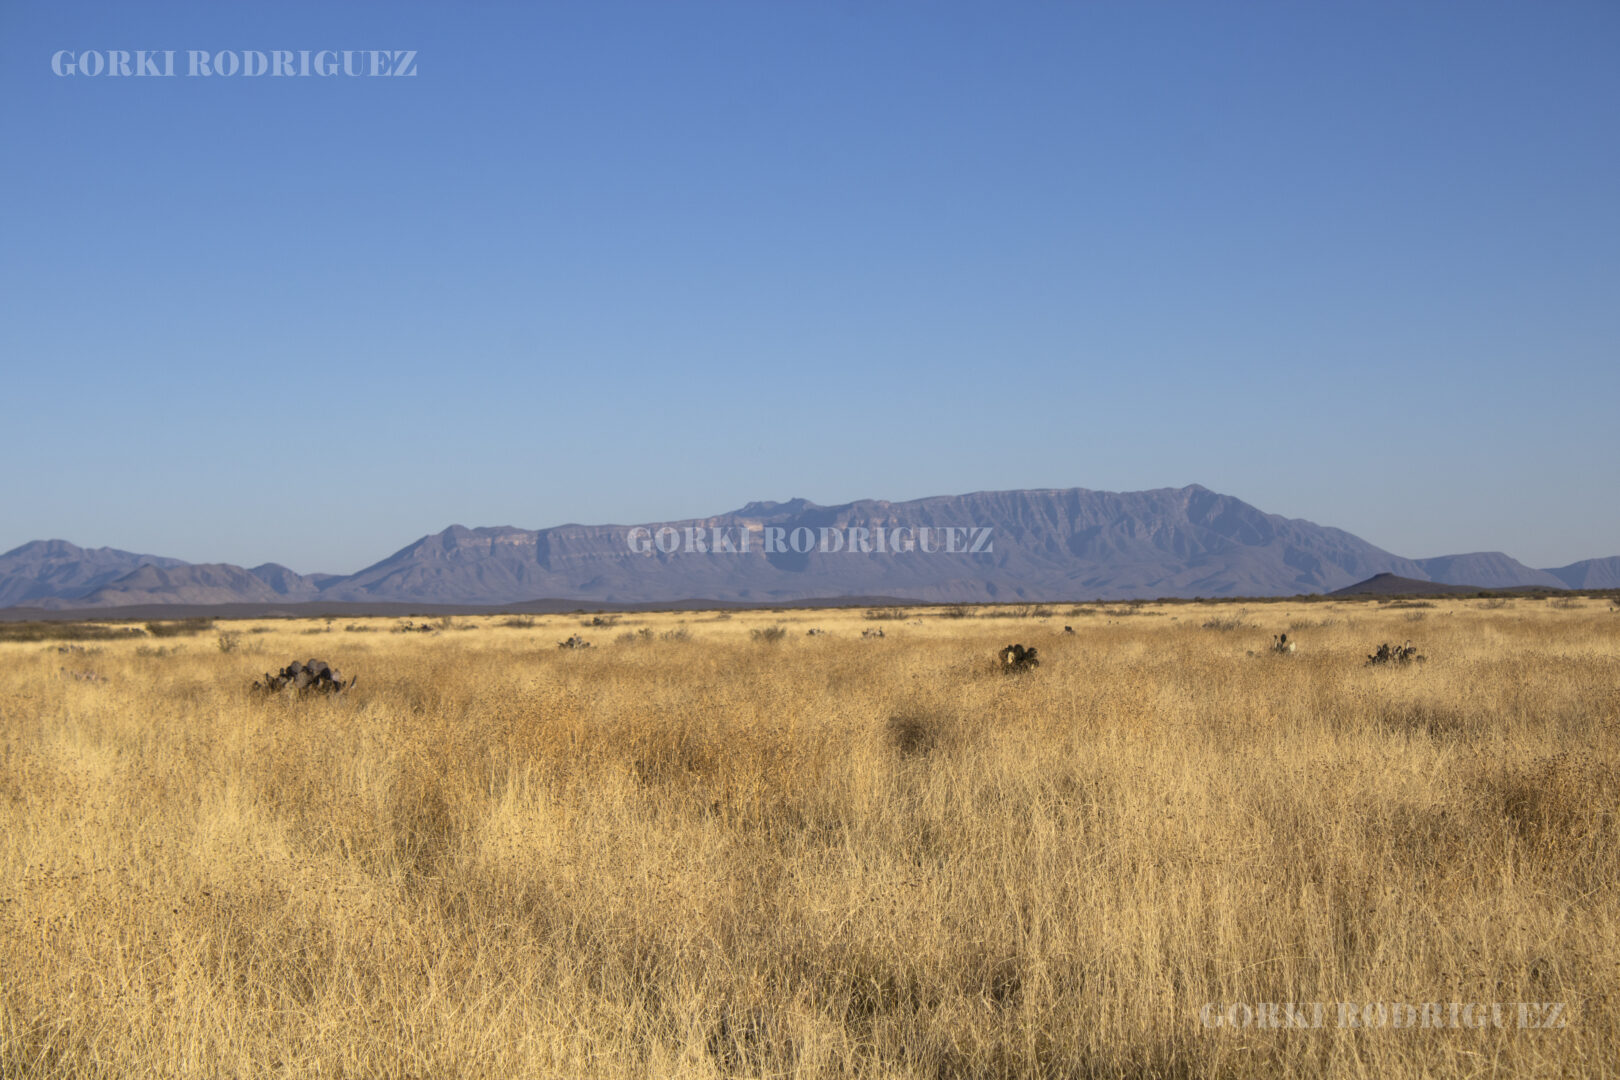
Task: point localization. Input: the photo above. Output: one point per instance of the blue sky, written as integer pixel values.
(1358, 263)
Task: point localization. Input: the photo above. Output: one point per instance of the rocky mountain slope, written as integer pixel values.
(55, 570)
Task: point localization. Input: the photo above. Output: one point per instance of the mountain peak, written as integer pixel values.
(56, 569)
(54, 549)
(766, 508)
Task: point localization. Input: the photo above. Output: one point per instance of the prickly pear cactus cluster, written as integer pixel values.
(315, 676)
(1395, 654)
(1018, 658)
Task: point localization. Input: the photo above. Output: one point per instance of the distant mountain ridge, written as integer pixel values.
(1052, 545)
(1590, 574)
(1486, 570)
(46, 570)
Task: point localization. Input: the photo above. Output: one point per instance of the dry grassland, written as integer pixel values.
(710, 854)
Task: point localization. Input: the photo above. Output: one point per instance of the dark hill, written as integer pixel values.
(1392, 585)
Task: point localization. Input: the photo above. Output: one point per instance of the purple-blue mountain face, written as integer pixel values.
(1488, 570)
(1049, 545)
(1590, 574)
(54, 570)
(1007, 546)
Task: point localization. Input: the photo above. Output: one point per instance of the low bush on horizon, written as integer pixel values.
(179, 627)
(1017, 611)
(66, 631)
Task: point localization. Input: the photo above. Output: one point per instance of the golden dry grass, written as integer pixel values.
(820, 856)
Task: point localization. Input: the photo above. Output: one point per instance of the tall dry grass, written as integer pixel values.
(722, 855)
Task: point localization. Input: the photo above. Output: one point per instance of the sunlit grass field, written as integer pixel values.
(694, 851)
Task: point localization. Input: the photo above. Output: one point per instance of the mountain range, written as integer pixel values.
(1048, 545)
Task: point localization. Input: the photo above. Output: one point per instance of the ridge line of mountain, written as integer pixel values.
(1049, 544)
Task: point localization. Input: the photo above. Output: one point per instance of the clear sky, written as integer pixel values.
(615, 262)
